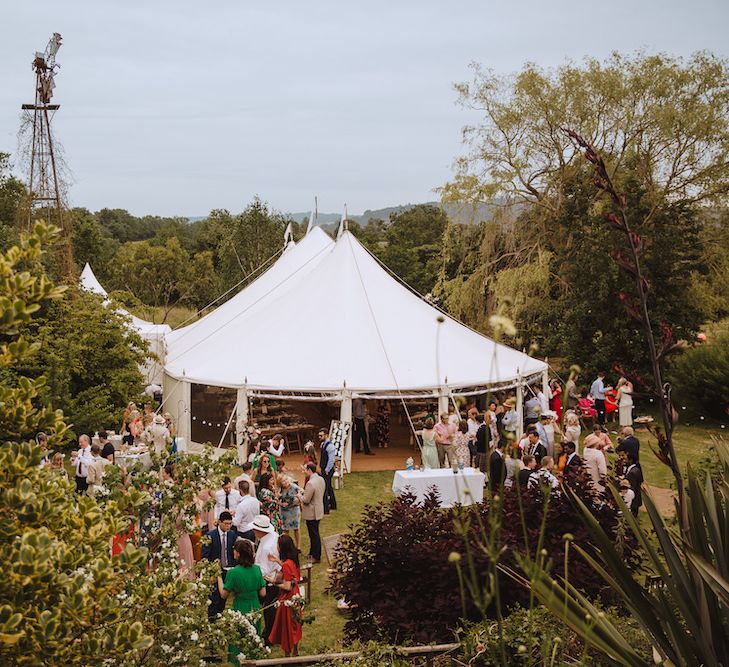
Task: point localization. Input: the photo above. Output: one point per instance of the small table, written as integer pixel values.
(305, 579)
(463, 487)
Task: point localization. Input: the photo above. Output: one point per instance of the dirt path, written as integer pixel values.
(663, 498)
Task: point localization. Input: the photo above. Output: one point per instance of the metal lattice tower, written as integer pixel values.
(43, 185)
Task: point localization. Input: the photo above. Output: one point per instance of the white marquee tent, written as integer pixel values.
(155, 334)
(360, 332)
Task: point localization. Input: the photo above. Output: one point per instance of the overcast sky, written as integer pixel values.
(176, 108)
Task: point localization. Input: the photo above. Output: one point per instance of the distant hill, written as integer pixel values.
(464, 214)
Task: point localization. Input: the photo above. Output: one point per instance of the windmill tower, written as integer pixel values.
(43, 185)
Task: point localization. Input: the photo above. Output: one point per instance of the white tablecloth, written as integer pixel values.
(115, 440)
(128, 460)
(464, 487)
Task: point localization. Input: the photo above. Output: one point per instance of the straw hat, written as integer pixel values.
(262, 524)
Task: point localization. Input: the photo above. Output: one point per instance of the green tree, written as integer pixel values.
(12, 192)
(413, 247)
(90, 242)
(90, 358)
(243, 243)
(664, 118)
(164, 275)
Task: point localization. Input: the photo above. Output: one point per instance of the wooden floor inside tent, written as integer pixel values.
(392, 457)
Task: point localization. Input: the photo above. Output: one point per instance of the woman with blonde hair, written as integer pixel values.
(572, 428)
(127, 437)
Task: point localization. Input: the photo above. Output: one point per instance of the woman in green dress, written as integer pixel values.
(430, 450)
(245, 581)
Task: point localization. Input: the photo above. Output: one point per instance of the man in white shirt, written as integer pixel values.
(267, 545)
(544, 475)
(276, 446)
(532, 408)
(245, 476)
(95, 472)
(597, 390)
(245, 513)
(226, 498)
(81, 463)
(510, 419)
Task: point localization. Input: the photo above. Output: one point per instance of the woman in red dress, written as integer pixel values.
(286, 630)
(556, 400)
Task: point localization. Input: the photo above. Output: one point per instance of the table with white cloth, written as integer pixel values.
(462, 487)
(126, 460)
(115, 440)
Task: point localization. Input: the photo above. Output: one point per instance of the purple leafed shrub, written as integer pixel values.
(393, 567)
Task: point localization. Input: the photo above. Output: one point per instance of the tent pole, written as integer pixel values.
(345, 415)
(545, 380)
(443, 401)
(241, 423)
(519, 407)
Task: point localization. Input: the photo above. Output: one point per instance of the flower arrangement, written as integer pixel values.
(296, 603)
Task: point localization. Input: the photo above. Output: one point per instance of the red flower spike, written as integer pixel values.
(615, 221)
(636, 241)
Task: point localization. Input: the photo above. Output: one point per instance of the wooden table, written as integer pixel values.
(306, 569)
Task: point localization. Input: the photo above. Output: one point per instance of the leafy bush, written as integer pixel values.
(393, 566)
(535, 637)
(64, 598)
(700, 376)
(89, 356)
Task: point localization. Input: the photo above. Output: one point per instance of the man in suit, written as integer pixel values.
(634, 475)
(497, 467)
(312, 508)
(327, 459)
(483, 435)
(535, 446)
(573, 460)
(530, 464)
(629, 443)
(219, 547)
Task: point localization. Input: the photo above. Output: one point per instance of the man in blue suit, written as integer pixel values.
(219, 546)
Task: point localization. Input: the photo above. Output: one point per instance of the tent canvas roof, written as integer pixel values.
(90, 283)
(296, 260)
(339, 317)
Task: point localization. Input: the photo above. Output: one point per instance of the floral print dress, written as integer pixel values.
(271, 508)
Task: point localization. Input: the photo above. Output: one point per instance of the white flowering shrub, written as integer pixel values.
(64, 599)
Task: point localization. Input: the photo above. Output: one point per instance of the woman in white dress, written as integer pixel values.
(625, 401)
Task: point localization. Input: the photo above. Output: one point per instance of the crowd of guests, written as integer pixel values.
(251, 525)
(253, 530)
(549, 448)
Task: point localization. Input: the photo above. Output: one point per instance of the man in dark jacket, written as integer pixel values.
(634, 475)
(530, 464)
(497, 468)
(483, 435)
(573, 460)
(629, 443)
(219, 546)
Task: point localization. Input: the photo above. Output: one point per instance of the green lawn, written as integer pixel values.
(691, 444)
(360, 489)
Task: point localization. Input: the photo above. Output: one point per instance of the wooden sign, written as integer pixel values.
(338, 433)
